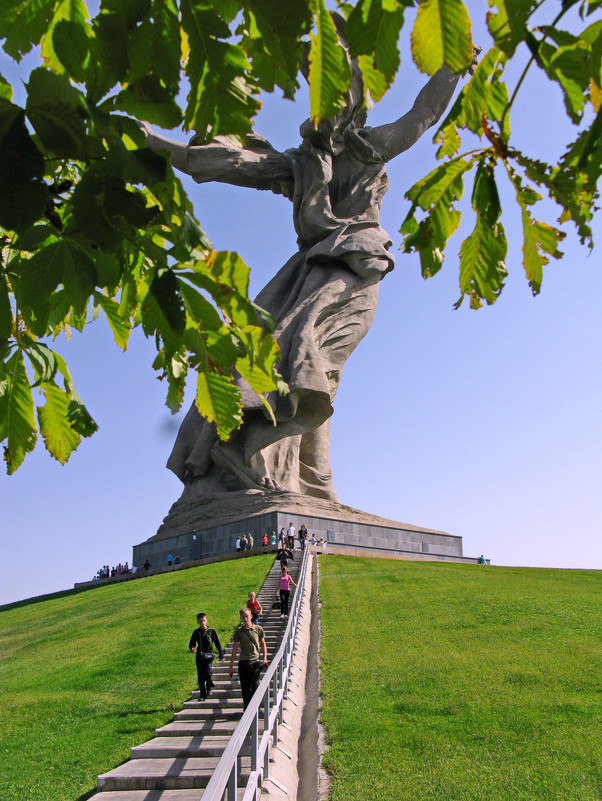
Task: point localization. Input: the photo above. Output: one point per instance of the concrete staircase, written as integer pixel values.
(177, 764)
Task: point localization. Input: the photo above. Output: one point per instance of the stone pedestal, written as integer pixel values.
(199, 527)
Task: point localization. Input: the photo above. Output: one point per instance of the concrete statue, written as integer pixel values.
(324, 298)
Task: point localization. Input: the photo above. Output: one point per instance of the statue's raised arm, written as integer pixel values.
(392, 139)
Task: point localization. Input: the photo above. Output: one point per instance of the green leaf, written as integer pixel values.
(6, 90)
(590, 159)
(195, 343)
(60, 438)
(430, 189)
(482, 254)
(230, 270)
(568, 65)
(6, 314)
(68, 11)
(221, 99)
(148, 99)
(41, 274)
(485, 198)
(16, 413)
(508, 26)
(23, 193)
(66, 262)
(35, 237)
(108, 271)
(429, 236)
(482, 268)
(198, 308)
(43, 361)
(256, 366)
(441, 35)
(436, 193)
(79, 417)
(119, 327)
(23, 24)
(106, 211)
(109, 46)
(223, 349)
(484, 96)
(154, 46)
(144, 167)
(375, 83)
(281, 32)
(56, 111)
(538, 239)
(329, 72)
(372, 33)
(176, 372)
(228, 9)
(218, 400)
(71, 43)
(165, 290)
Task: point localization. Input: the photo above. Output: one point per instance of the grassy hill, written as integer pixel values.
(85, 676)
(440, 681)
(461, 682)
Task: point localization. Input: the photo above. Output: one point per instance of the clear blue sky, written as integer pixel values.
(485, 424)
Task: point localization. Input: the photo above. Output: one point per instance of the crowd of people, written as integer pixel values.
(106, 572)
(245, 542)
(285, 539)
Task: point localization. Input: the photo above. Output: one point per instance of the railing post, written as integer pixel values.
(254, 739)
(232, 783)
(266, 710)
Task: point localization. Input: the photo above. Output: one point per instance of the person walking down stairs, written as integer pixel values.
(202, 641)
(284, 589)
(250, 640)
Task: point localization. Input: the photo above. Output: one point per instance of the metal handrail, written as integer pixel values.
(271, 693)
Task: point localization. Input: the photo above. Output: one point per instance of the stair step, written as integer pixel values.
(163, 774)
(228, 702)
(174, 747)
(208, 713)
(184, 728)
(148, 795)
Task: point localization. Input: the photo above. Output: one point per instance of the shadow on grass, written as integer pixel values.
(131, 712)
(87, 795)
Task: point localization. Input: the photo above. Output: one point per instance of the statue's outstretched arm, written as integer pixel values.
(256, 165)
(178, 152)
(392, 139)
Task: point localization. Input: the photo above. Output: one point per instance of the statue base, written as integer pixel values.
(199, 526)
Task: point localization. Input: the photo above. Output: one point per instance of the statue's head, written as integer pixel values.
(328, 134)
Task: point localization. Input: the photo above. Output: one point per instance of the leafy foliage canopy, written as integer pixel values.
(94, 223)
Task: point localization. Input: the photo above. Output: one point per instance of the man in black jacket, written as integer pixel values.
(202, 641)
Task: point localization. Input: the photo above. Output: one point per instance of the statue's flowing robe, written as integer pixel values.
(323, 299)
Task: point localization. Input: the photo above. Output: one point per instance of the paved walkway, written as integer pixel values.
(179, 761)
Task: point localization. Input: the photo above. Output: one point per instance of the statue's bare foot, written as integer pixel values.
(226, 459)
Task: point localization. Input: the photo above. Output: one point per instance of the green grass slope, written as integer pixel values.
(461, 682)
(85, 676)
